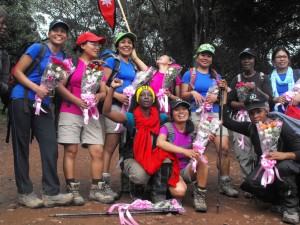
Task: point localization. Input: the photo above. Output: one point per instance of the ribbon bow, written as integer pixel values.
(162, 100)
(90, 101)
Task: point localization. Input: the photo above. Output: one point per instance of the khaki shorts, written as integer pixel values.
(72, 130)
(110, 125)
(185, 174)
(196, 120)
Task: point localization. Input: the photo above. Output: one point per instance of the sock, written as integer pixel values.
(106, 177)
(96, 181)
(201, 188)
(69, 181)
(224, 178)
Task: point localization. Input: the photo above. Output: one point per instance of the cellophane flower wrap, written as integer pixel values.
(269, 134)
(141, 78)
(289, 95)
(55, 71)
(171, 205)
(242, 114)
(207, 126)
(89, 86)
(171, 74)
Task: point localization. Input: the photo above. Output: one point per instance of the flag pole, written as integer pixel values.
(126, 22)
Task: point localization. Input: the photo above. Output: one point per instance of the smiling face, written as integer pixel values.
(91, 49)
(248, 62)
(204, 59)
(145, 99)
(281, 60)
(58, 35)
(257, 115)
(125, 47)
(180, 114)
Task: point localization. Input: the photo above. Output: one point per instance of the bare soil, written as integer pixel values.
(232, 211)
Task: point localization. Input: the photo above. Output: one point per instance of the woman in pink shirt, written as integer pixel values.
(72, 129)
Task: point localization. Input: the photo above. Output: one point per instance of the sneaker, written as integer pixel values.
(30, 200)
(74, 189)
(57, 200)
(290, 216)
(276, 208)
(248, 195)
(110, 192)
(98, 193)
(199, 200)
(226, 189)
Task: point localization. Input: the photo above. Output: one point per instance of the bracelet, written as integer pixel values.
(113, 88)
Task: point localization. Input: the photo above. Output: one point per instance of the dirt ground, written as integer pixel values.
(232, 211)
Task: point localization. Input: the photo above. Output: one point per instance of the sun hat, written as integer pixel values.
(177, 102)
(58, 22)
(88, 36)
(247, 51)
(255, 99)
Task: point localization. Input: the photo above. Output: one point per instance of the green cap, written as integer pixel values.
(132, 36)
(206, 48)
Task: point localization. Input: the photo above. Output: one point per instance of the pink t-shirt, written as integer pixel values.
(75, 88)
(180, 139)
(157, 81)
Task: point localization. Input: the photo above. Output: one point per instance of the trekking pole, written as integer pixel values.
(220, 147)
(64, 215)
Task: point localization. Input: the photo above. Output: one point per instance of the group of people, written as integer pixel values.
(158, 154)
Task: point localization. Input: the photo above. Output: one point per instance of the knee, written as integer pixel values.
(139, 178)
(179, 191)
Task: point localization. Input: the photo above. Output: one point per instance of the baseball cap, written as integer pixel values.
(206, 48)
(132, 36)
(255, 99)
(88, 36)
(248, 51)
(58, 22)
(177, 102)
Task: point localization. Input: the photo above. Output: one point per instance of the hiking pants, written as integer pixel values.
(43, 128)
(286, 189)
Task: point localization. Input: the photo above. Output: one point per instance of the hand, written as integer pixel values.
(168, 93)
(280, 99)
(211, 98)
(211, 137)
(82, 104)
(277, 155)
(99, 62)
(198, 97)
(99, 97)
(134, 55)
(42, 91)
(116, 83)
(191, 153)
(249, 86)
(223, 85)
(122, 98)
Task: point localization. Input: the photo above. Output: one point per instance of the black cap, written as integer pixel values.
(58, 22)
(247, 51)
(177, 102)
(255, 99)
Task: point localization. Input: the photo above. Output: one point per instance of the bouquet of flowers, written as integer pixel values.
(55, 71)
(241, 91)
(171, 74)
(140, 79)
(289, 95)
(89, 86)
(268, 133)
(206, 127)
(146, 207)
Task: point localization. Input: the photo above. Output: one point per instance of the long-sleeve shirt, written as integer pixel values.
(289, 140)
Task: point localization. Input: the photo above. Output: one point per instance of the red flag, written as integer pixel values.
(108, 10)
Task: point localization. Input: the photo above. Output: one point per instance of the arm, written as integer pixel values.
(25, 61)
(186, 94)
(167, 146)
(141, 65)
(113, 115)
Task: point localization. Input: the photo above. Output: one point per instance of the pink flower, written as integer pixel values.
(240, 84)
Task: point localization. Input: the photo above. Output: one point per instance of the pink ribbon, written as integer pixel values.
(123, 210)
(92, 108)
(38, 105)
(241, 117)
(163, 100)
(197, 145)
(269, 167)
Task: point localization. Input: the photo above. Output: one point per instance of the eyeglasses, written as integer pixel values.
(95, 44)
(281, 57)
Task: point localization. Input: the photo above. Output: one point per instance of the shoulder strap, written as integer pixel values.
(171, 133)
(239, 78)
(296, 74)
(115, 70)
(193, 74)
(262, 76)
(37, 60)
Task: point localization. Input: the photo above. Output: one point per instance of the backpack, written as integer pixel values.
(193, 73)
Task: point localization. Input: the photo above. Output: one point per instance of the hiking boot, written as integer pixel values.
(30, 200)
(160, 183)
(226, 189)
(290, 216)
(276, 208)
(199, 200)
(248, 195)
(57, 200)
(136, 191)
(110, 192)
(125, 183)
(74, 189)
(98, 193)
